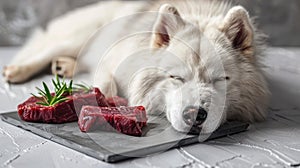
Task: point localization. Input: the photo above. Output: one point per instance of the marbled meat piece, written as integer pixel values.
(117, 101)
(63, 112)
(127, 120)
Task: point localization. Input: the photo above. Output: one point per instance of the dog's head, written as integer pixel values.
(206, 72)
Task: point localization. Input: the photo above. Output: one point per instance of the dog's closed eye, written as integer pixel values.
(221, 83)
(226, 78)
(177, 78)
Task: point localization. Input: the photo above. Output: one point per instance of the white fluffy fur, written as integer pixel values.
(201, 53)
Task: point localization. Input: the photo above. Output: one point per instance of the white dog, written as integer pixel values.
(197, 61)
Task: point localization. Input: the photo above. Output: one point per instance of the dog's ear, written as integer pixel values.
(238, 28)
(166, 25)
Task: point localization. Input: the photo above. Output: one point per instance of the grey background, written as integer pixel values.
(279, 19)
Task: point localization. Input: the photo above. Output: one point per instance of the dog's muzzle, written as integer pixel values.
(194, 117)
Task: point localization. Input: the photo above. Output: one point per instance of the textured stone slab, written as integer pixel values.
(111, 146)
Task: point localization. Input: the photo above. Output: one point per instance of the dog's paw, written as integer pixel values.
(14, 74)
(63, 66)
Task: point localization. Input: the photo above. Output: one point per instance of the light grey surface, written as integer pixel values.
(274, 143)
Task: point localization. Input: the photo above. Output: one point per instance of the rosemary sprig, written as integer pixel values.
(82, 87)
(61, 89)
(48, 99)
(58, 84)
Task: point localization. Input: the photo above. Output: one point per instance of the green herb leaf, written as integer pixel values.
(61, 90)
(47, 91)
(42, 103)
(82, 87)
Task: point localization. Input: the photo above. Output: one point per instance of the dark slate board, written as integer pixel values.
(112, 146)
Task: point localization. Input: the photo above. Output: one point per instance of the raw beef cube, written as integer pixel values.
(117, 101)
(127, 120)
(93, 98)
(61, 112)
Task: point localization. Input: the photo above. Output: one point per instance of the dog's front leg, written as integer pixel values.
(20, 71)
(66, 66)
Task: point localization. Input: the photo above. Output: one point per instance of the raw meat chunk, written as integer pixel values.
(117, 101)
(62, 112)
(127, 120)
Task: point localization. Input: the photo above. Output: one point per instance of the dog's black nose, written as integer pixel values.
(201, 116)
(194, 116)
